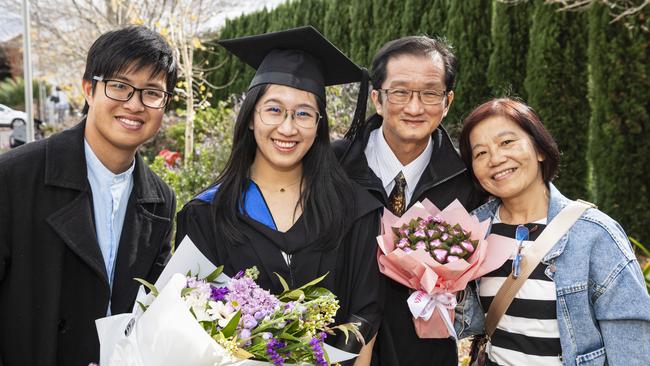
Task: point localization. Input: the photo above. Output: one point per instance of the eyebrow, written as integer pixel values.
(149, 84)
(427, 86)
(500, 134)
(273, 100)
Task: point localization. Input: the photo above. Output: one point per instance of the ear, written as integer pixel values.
(376, 100)
(87, 88)
(450, 99)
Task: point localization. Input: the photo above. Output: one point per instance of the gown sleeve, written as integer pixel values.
(195, 221)
(365, 287)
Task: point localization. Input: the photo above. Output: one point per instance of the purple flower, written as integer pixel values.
(452, 258)
(403, 243)
(272, 350)
(440, 255)
(468, 246)
(455, 249)
(420, 245)
(317, 348)
(404, 232)
(444, 237)
(420, 234)
(218, 293)
(244, 333)
(435, 243)
(248, 321)
(239, 275)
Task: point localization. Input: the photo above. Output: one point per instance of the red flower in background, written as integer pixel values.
(170, 157)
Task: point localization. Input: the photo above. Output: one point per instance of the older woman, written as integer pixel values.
(586, 302)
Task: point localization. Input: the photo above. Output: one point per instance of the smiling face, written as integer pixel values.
(504, 159)
(282, 147)
(113, 126)
(413, 122)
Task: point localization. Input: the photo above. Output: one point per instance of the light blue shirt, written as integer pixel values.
(110, 198)
(383, 162)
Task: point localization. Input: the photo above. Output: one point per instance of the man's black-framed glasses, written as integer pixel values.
(123, 92)
(403, 96)
(305, 117)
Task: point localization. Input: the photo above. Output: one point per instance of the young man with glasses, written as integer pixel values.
(403, 155)
(81, 214)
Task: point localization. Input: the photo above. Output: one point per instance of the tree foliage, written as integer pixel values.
(620, 120)
(556, 86)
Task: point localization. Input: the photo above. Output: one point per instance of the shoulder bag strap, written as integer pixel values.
(531, 258)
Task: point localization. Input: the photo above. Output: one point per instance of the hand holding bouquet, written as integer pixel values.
(436, 253)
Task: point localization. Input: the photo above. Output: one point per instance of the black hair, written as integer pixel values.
(415, 46)
(524, 116)
(130, 49)
(327, 198)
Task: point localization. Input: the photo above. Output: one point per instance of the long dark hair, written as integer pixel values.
(327, 195)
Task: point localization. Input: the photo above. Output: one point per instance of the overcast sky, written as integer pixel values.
(11, 24)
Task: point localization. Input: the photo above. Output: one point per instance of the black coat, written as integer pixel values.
(352, 266)
(53, 281)
(445, 179)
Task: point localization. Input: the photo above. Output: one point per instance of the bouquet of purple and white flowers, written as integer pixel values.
(210, 319)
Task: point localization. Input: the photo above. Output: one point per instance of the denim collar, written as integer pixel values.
(557, 202)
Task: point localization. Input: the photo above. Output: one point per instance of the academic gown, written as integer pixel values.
(352, 265)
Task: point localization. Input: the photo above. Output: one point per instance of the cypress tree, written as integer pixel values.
(361, 29)
(412, 17)
(507, 67)
(337, 23)
(556, 85)
(468, 28)
(434, 18)
(620, 119)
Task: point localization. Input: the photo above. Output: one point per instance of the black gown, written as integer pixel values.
(353, 276)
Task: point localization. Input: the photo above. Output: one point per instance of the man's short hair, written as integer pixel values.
(131, 49)
(414, 46)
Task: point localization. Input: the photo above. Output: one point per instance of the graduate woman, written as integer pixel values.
(282, 203)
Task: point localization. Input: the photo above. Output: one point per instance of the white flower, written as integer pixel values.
(221, 312)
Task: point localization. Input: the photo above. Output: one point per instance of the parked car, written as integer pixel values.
(19, 133)
(10, 117)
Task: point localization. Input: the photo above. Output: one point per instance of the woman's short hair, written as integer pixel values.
(524, 116)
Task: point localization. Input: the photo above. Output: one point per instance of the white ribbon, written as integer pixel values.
(422, 306)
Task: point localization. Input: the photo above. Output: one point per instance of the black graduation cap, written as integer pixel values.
(301, 58)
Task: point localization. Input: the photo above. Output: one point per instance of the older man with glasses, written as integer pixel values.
(403, 155)
(82, 214)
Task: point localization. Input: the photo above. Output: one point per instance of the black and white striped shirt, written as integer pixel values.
(528, 332)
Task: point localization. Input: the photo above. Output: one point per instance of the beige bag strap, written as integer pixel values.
(531, 258)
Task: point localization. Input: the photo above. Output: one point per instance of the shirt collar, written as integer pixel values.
(100, 172)
(389, 166)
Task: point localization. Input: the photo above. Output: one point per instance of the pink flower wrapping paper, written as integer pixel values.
(420, 272)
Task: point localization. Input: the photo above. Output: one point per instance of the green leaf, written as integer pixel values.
(230, 329)
(213, 276)
(642, 247)
(293, 294)
(312, 283)
(285, 286)
(186, 291)
(148, 285)
(142, 306)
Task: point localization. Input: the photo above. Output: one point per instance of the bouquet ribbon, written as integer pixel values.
(422, 305)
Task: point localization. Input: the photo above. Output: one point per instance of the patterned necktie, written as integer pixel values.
(397, 198)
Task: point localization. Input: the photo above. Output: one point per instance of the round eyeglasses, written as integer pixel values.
(305, 117)
(123, 92)
(403, 96)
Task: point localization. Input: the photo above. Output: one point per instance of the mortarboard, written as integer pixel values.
(301, 58)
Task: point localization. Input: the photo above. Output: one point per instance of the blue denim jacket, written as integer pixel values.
(603, 307)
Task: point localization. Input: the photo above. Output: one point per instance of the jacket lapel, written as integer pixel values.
(65, 167)
(140, 240)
